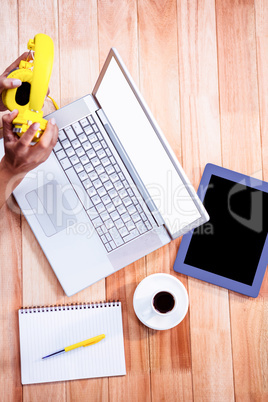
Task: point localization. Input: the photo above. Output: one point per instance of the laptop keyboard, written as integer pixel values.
(103, 189)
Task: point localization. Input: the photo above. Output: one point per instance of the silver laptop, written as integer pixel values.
(112, 190)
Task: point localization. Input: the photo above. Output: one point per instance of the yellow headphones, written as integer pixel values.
(30, 96)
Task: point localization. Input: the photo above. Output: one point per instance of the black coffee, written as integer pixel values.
(163, 302)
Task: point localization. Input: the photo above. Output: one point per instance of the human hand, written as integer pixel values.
(20, 156)
(9, 83)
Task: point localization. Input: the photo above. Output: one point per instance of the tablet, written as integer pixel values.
(231, 249)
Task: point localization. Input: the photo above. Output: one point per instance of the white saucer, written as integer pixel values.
(143, 296)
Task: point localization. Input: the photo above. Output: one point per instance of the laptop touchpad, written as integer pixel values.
(51, 208)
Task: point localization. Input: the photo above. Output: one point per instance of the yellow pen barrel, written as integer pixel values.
(87, 342)
(43, 62)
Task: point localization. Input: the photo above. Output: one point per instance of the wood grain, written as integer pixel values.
(202, 67)
(240, 123)
(209, 306)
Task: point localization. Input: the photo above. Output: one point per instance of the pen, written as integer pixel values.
(87, 342)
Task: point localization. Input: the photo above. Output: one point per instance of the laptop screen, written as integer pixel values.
(128, 115)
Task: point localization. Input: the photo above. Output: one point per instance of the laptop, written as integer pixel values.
(112, 190)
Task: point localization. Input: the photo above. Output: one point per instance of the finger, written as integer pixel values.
(16, 63)
(8, 126)
(50, 135)
(28, 136)
(9, 83)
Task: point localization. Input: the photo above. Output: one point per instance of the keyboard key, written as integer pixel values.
(61, 154)
(114, 177)
(122, 193)
(95, 199)
(70, 133)
(125, 217)
(101, 153)
(115, 215)
(62, 135)
(109, 169)
(108, 247)
(121, 209)
(92, 213)
(130, 225)
(116, 236)
(97, 183)
(100, 208)
(106, 200)
(103, 239)
(123, 231)
(80, 152)
(110, 207)
(113, 193)
(66, 144)
(118, 185)
(84, 122)
(127, 201)
(136, 217)
(82, 138)
(70, 152)
(86, 145)
(84, 160)
(104, 177)
(76, 143)
(108, 237)
(88, 130)
(117, 201)
(104, 216)
(109, 224)
(95, 162)
(97, 222)
(88, 167)
(83, 175)
(99, 169)
(141, 227)
(65, 163)
(119, 223)
(78, 167)
(91, 120)
(87, 183)
(91, 191)
(96, 145)
(74, 159)
(93, 175)
(101, 191)
(112, 244)
(105, 161)
(92, 138)
(77, 128)
(131, 209)
(91, 153)
(57, 147)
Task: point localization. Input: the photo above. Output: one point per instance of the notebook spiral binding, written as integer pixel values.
(69, 306)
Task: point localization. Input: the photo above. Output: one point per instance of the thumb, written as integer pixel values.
(9, 83)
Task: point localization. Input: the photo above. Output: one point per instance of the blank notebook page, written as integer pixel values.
(46, 330)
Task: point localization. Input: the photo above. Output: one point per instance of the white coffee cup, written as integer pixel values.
(160, 301)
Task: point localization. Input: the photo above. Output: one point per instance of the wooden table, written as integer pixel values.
(202, 66)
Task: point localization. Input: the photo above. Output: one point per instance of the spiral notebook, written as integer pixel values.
(45, 330)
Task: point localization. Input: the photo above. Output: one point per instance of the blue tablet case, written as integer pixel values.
(252, 227)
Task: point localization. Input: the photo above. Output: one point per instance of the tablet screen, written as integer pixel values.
(231, 242)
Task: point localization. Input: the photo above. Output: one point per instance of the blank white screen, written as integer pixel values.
(145, 150)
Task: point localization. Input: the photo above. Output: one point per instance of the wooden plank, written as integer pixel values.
(10, 243)
(118, 28)
(170, 358)
(79, 61)
(40, 286)
(210, 336)
(241, 151)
